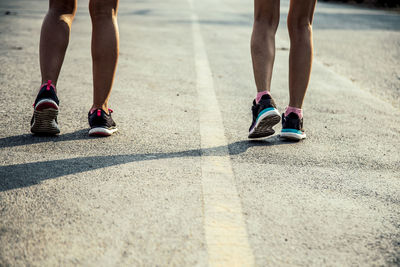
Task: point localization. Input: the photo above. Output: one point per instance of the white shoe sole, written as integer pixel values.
(264, 124)
(44, 120)
(292, 136)
(99, 131)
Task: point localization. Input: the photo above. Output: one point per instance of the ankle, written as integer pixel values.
(295, 110)
(102, 107)
(48, 84)
(260, 94)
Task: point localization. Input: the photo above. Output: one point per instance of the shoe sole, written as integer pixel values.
(100, 131)
(292, 136)
(44, 118)
(264, 124)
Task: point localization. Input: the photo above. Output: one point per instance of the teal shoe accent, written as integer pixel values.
(264, 111)
(291, 131)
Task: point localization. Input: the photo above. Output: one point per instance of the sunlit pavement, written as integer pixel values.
(180, 184)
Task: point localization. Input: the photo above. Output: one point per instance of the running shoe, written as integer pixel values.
(44, 119)
(101, 123)
(292, 127)
(265, 116)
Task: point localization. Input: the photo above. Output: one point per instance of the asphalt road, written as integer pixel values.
(180, 184)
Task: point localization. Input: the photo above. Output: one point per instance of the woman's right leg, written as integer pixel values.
(54, 37)
(299, 23)
(266, 20)
(105, 50)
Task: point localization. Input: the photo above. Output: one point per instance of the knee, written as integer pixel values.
(63, 7)
(63, 10)
(100, 9)
(299, 26)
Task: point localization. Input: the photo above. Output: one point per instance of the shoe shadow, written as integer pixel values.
(241, 146)
(30, 139)
(28, 174)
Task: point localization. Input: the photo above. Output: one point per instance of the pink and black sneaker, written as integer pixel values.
(101, 123)
(44, 119)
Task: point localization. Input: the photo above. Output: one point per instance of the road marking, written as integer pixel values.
(225, 230)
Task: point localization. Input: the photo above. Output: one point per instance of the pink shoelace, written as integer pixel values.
(99, 111)
(48, 85)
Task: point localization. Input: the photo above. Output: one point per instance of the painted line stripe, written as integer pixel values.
(225, 230)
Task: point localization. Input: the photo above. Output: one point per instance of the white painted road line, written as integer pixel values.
(225, 230)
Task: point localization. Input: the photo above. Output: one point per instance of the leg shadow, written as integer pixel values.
(29, 139)
(28, 174)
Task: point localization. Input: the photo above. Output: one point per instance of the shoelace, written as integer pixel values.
(48, 85)
(99, 111)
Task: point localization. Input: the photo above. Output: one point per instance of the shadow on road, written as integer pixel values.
(27, 174)
(29, 139)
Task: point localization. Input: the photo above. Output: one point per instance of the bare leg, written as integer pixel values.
(266, 20)
(105, 49)
(54, 37)
(301, 49)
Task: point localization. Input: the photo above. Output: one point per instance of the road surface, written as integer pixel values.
(180, 184)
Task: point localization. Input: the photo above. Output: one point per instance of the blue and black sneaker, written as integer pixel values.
(44, 119)
(292, 127)
(265, 116)
(101, 123)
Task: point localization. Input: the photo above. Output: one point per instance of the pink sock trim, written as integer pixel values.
(297, 111)
(260, 94)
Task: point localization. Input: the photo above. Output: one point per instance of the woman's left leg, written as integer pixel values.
(105, 49)
(265, 113)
